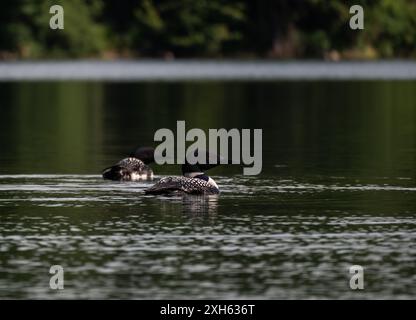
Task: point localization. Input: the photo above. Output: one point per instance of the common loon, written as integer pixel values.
(193, 181)
(134, 167)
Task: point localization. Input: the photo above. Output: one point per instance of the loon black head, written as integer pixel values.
(145, 154)
(198, 169)
(191, 170)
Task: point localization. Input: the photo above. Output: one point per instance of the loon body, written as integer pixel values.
(193, 181)
(133, 168)
(200, 184)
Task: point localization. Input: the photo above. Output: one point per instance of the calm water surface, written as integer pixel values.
(337, 189)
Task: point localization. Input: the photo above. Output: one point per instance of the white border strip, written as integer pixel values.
(152, 70)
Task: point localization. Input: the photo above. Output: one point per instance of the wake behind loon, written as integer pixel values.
(133, 168)
(193, 181)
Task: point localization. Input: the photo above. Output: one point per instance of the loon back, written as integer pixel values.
(134, 167)
(128, 169)
(193, 181)
(200, 184)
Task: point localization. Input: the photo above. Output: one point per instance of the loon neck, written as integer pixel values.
(193, 174)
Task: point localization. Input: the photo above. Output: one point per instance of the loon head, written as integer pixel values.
(191, 170)
(210, 160)
(145, 154)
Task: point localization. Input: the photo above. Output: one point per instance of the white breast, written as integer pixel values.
(212, 182)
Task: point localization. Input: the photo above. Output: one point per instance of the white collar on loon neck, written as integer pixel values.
(193, 174)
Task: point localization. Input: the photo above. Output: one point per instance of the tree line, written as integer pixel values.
(208, 28)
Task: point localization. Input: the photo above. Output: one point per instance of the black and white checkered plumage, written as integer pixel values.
(200, 184)
(132, 168)
(193, 181)
(128, 169)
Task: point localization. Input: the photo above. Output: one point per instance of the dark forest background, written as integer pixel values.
(208, 28)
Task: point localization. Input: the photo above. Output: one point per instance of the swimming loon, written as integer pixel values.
(193, 181)
(134, 167)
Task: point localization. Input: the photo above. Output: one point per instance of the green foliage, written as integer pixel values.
(187, 26)
(291, 28)
(392, 26)
(29, 35)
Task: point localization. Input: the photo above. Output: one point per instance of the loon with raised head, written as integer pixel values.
(134, 167)
(193, 181)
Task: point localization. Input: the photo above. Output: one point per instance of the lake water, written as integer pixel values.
(337, 189)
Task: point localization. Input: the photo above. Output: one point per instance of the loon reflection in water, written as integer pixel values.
(133, 168)
(189, 204)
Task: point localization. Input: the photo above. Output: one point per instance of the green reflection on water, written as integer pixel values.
(340, 128)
